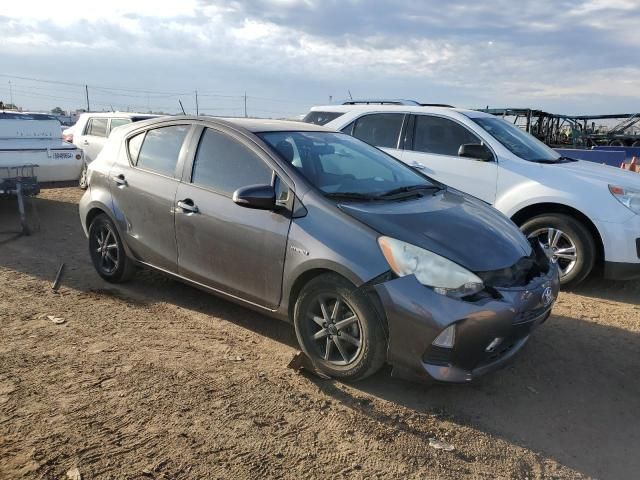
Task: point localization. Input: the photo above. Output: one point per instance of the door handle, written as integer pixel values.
(187, 206)
(120, 180)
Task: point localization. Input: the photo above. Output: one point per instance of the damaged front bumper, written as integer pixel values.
(489, 331)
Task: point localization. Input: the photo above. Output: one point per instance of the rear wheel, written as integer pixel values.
(616, 143)
(107, 251)
(339, 329)
(636, 144)
(568, 241)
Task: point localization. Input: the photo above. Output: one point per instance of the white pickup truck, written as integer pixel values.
(33, 139)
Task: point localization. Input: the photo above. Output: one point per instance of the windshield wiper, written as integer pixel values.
(408, 189)
(554, 160)
(350, 196)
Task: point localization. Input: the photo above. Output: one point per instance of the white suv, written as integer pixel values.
(91, 131)
(586, 214)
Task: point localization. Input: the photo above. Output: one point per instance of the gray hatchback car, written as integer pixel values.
(372, 261)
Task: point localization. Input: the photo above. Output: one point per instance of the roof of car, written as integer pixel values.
(119, 114)
(268, 125)
(394, 108)
(253, 125)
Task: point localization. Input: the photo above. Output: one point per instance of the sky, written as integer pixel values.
(573, 57)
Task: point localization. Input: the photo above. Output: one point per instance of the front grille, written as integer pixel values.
(438, 356)
(520, 274)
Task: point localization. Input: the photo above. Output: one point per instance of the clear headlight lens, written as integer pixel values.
(629, 197)
(444, 276)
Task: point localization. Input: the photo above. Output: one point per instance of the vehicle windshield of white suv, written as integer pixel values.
(343, 167)
(518, 142)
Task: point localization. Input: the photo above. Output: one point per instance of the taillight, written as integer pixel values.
(68, 138)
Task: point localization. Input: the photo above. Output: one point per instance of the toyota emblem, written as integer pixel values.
(547, 296)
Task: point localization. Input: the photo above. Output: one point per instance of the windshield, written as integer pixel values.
(517, 141)
(339, 164)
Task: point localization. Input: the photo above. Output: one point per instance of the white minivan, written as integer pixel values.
(586, 214)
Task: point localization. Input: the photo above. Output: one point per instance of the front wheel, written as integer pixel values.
(339, 329)
(107, 251)
(569, 243)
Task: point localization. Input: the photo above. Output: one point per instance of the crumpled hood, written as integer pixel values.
(604, 173)
(455, 226)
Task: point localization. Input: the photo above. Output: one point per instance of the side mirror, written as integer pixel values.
(260, 197)
(476, 151)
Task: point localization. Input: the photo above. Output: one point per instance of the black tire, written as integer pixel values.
(616, 143)
(575, 232)
(82, 181)
(108, 256)
(368, 329)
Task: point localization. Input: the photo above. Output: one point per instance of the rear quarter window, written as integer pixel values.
(133, 147)
(321, 118)
(117, 122)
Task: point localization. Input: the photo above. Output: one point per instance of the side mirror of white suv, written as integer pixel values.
(476, 151)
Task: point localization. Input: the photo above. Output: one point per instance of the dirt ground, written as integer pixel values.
(155, 379)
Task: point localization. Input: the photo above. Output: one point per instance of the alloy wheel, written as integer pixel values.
(106, 247)
(558, 246)
(336, 331)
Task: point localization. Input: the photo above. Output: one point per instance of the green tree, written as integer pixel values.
(57, 111)
(8, 106)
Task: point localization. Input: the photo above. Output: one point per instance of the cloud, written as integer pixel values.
(545, 53)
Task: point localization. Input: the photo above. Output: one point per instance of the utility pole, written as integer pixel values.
(11, 93)
(245, 104)
(86, 91)
(197, 109)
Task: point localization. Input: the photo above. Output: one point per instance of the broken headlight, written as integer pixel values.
(442, 275)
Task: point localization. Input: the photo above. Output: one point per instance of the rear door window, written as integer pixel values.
(117, 122)
(379, 129)
(97, 127)
(224, 164)
(440, 135)
(161, 148)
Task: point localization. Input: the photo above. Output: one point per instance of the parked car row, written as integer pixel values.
(369, 226)
(37, 139)
(587, 215)
(371, 260)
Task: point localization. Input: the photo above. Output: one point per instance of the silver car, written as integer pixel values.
(371, 260)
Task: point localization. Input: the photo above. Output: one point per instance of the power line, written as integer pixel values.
(148, 92)
(58, 82)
